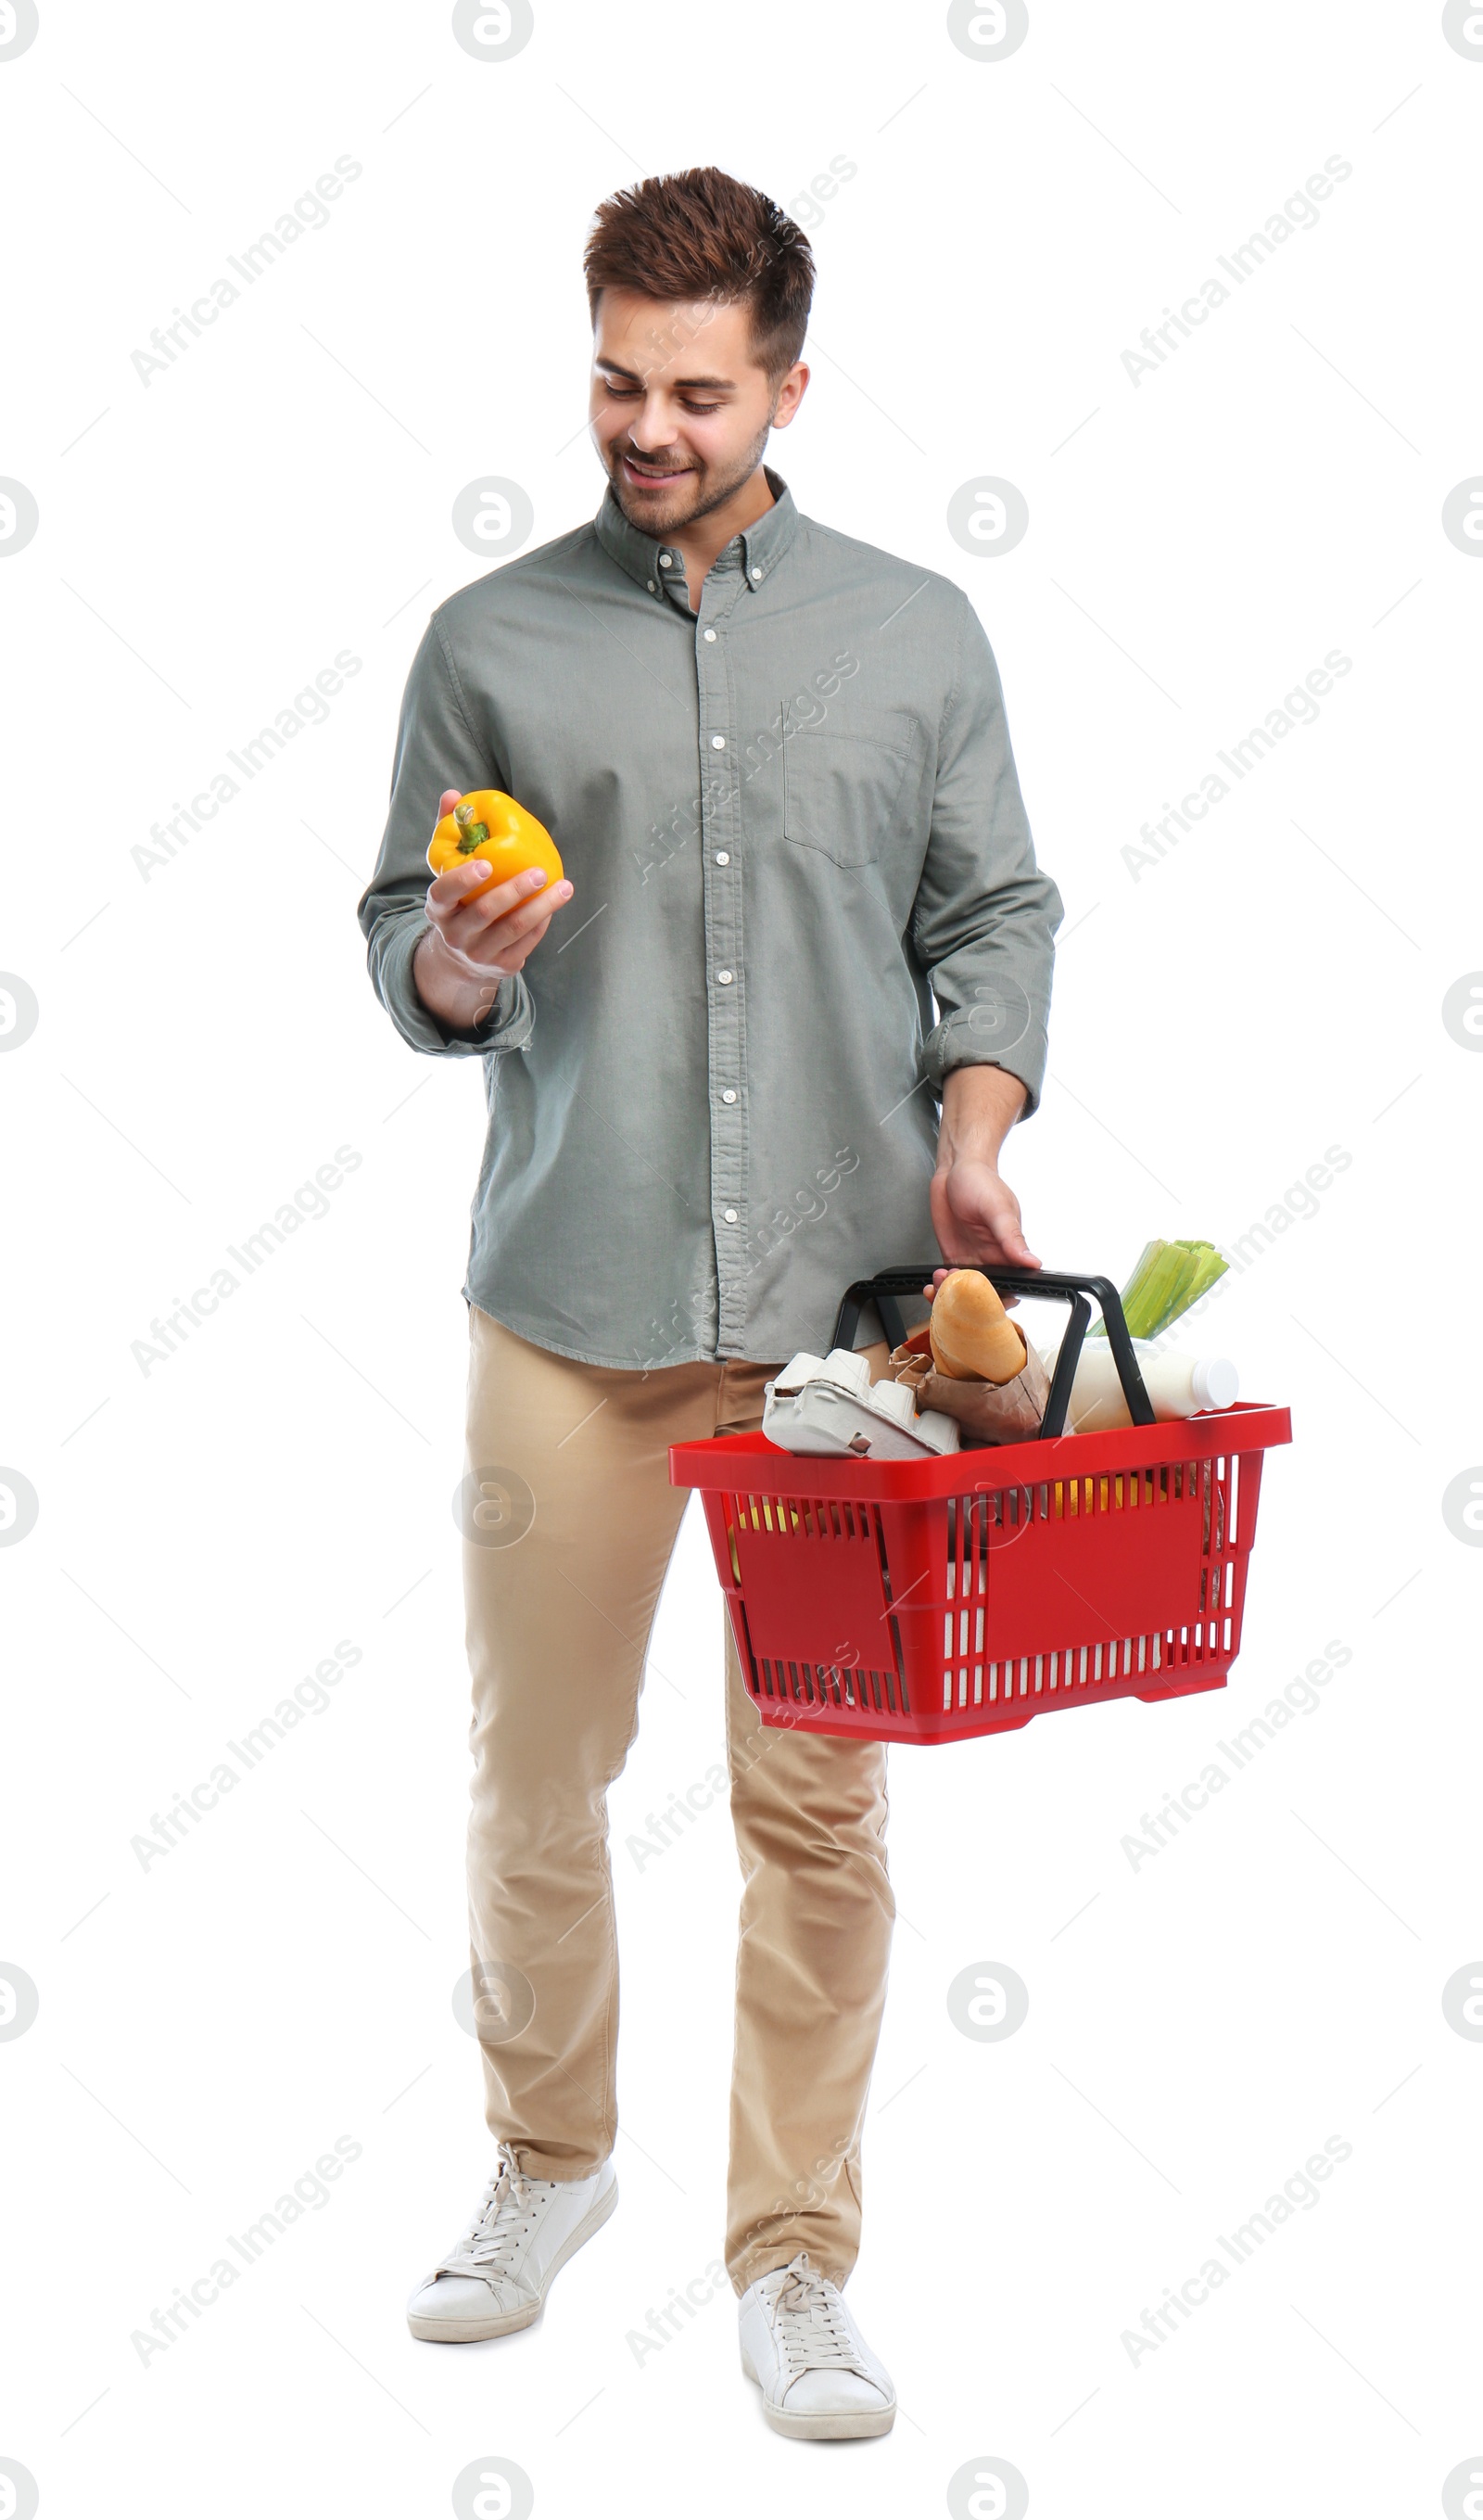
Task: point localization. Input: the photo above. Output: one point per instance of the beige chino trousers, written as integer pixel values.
(572, 1520)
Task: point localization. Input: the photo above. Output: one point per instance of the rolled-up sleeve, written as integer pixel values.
(985, 916)
(436, 747)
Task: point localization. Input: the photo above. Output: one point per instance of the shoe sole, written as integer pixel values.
(476, 2331)
(858, 2424)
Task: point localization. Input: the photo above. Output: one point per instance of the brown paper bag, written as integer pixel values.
(987, 1413)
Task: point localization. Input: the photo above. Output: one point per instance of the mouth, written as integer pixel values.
(649, 477)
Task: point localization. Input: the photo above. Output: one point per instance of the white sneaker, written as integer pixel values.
(818, 2380)
(496, 2276)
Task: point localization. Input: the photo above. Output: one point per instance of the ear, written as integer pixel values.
(790, 394)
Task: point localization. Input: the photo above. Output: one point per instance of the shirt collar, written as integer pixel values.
(762, 544)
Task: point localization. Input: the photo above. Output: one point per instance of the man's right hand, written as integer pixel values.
(471, 946)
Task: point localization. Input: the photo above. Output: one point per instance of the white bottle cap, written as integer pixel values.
(1214, 1382)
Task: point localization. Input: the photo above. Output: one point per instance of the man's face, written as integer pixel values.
(680, 409)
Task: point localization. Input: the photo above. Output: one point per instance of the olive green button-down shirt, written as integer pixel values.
(791, 819)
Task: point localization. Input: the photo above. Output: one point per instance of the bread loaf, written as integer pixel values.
(972, 1338)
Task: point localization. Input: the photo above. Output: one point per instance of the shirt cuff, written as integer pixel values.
(958, 1042)
(509, 1025)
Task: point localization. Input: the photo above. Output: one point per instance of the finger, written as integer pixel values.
(483, 949)
(1013, 1245)
(446, 802)
(531, 886)
(521, 933)
(458, 886)
(513, 955)
(521, 928)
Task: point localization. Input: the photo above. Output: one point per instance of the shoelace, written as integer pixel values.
(811, 2325)
(501, 2221)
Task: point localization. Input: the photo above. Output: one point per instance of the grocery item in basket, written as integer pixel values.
(986, 1412)
(1179, 1387)
(828, 1405)
(1169, 1277)
(972, 1338)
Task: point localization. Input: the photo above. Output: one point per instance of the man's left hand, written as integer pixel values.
(976, 1215)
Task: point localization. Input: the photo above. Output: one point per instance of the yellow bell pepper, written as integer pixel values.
(489, 825)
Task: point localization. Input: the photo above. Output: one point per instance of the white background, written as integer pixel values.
(207, 1039)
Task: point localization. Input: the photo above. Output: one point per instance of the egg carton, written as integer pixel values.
(829, 1404)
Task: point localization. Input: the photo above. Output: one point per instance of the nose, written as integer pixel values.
(651, 427)
(649, 435)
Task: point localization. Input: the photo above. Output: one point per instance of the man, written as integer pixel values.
(776, 763)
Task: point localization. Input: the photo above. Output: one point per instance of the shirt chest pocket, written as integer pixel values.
(842, 785)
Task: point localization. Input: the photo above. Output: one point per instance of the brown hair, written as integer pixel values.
(705, 234)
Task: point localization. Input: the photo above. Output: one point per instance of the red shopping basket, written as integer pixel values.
(933, 1600)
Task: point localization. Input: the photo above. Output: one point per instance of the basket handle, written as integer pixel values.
(1070, 1287)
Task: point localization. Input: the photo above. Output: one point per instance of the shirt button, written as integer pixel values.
(729, 1095)
(730, 1215)
(711, 634)
(756, 573)
(726, 979)
(652, 589)
(723, 857)
(665, 561)
(718, 744)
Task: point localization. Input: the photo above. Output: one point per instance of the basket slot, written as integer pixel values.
(804, 1518)
(829, 1685)
(1069, 1667)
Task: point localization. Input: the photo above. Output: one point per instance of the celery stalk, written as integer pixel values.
(1169, 1277)
(1133, 1291)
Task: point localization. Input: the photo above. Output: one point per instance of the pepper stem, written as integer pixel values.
(470, 832)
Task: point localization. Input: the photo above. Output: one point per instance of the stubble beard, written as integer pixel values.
(712, 488)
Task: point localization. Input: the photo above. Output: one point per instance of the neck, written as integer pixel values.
(704, 542)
